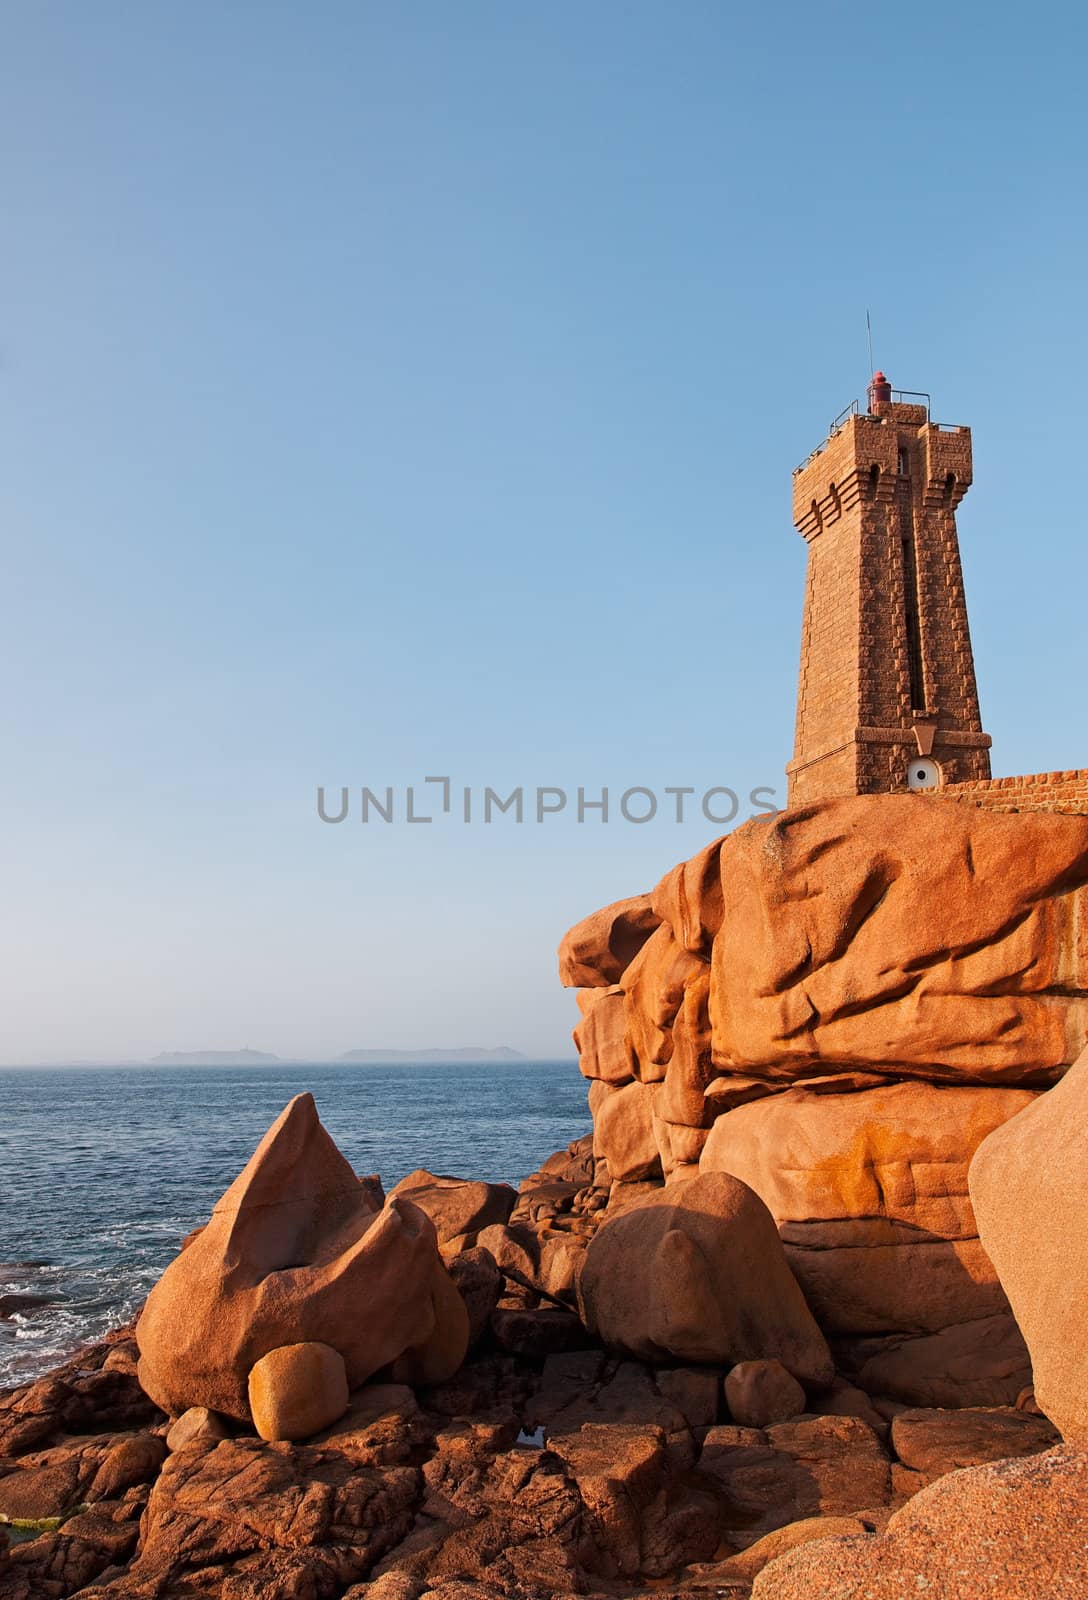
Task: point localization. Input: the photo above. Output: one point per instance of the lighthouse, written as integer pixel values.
(886, 697)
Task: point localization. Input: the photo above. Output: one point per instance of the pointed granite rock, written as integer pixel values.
(297, 1251)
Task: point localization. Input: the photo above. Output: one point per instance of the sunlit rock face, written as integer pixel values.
(903, 933)
(837, 1005)
(699, 1275)
(869, 1190)
(1018, 1528)
(297, 1251)
(1029, 1184)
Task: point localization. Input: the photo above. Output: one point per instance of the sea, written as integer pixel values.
(104, 1170)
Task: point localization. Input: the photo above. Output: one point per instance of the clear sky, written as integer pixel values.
(393, 391)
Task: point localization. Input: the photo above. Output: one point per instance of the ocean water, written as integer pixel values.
(104, 1170)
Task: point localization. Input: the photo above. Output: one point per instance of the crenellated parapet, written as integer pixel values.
(859, 462)
(855, 464)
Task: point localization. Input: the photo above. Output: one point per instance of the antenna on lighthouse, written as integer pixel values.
(869, 336)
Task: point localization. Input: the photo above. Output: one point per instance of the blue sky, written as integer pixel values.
(391, 391)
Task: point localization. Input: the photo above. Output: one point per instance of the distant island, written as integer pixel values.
(365, 1058)
(470, 1052)
(214, 1058)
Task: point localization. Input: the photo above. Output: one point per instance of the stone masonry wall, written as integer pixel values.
(1065, 792)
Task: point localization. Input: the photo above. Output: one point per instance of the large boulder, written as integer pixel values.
(295, 1251)
(984, 1362)
(869, 1190)
(479, 1283)
(599, 948)
(901, 931)
(623, 1130)
(932, 1442)
(689, 899)
(810, 1466)
(698, 1274)
(761, 1392)
(600, 1037)
(843, 945)
(653, 989)
(1015, 1529)
(1029, 1184)
(683, 1098)
(458, 1207)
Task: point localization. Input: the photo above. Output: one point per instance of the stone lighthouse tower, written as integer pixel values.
(887, 698)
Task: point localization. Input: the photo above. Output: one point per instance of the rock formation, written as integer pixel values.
(1018, 1529)
(762, 1391)
(837, 1005)
(747, 1339)
(544, 1466)
(869, 1189)
(1029, 1184)
(897, 933)
(459, 1210)
(296, 1390)
(699, 1275)
(298, 1252)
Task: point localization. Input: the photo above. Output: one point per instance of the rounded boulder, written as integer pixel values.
(297, 1390)
(698, 1274)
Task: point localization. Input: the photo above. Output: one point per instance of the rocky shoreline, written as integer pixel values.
(804, 1316)
(547, 1465)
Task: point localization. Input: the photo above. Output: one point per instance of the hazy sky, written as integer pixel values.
(394, 391)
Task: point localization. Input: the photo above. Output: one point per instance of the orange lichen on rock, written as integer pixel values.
(870, 1193)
